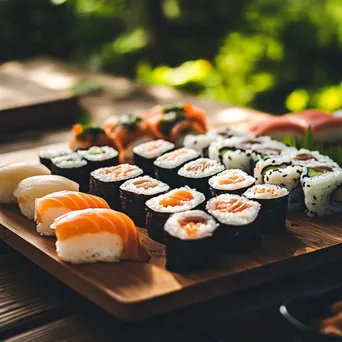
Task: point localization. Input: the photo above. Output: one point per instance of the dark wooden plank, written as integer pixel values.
(134, 291)
(204, 322)
(30, 297)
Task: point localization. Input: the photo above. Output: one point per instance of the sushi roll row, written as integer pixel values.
(231, 223)
(77, 166)
(313, 180)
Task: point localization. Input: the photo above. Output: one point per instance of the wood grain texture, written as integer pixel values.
(30, 297)
(134, 291)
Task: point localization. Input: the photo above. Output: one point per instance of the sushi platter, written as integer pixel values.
(174, 220)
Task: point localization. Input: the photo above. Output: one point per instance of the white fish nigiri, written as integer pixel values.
(12, 174)
(29, 189)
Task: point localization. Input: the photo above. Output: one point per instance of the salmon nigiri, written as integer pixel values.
(92, 235)
(51, 206)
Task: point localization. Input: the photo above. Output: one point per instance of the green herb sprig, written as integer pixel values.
(308, 142)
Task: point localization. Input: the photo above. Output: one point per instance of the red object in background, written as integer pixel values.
(326, 128)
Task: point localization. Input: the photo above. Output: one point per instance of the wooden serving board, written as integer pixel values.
(133, 290)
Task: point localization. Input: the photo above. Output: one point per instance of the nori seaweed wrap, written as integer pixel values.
(160, 208)
(167, 165)
(238, 219)
(135, 192)
(105, 182)
(98, 157)
(145, 154)
(73, 167)
(190, 241)
(274, 203)
(197, 173)
(233, 181)
(45, 156)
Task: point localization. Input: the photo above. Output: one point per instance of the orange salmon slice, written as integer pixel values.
(174, 155)
(200, 166)
(233, 179)
(177, 198)
(117, 171)
(192, 224)
(145, 183)
(232, 206)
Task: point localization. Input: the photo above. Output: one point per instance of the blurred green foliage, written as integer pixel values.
(275, 56)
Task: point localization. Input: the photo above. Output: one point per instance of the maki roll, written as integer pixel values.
(237, 218)
(322, 187)
(289, 178)
(45, 156)
(232, 181)
(105, 182)
(235, 153)
(190, 242)
(160, 208)
(73, 167)
(145, 154)
(268, 150)
(274, 202)
(167, 165)
(304, 157)
(201, 142)
(197, 173)
(269, 164)
(98, 157)
(135, 192)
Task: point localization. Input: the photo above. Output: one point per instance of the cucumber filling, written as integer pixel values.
(273, 167)
(318, 170)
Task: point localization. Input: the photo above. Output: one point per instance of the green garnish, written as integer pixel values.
(173, 107)
(169, 120)
(95, 152)
(273, 167)
(308, 142)
(91, 130)
(129, 121)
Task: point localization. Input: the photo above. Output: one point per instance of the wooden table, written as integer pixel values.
(36, 307)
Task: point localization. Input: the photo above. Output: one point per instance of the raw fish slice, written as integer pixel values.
(29, 189)
(51, 206)
(97, 235)
(177, 198)
(12, 174)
